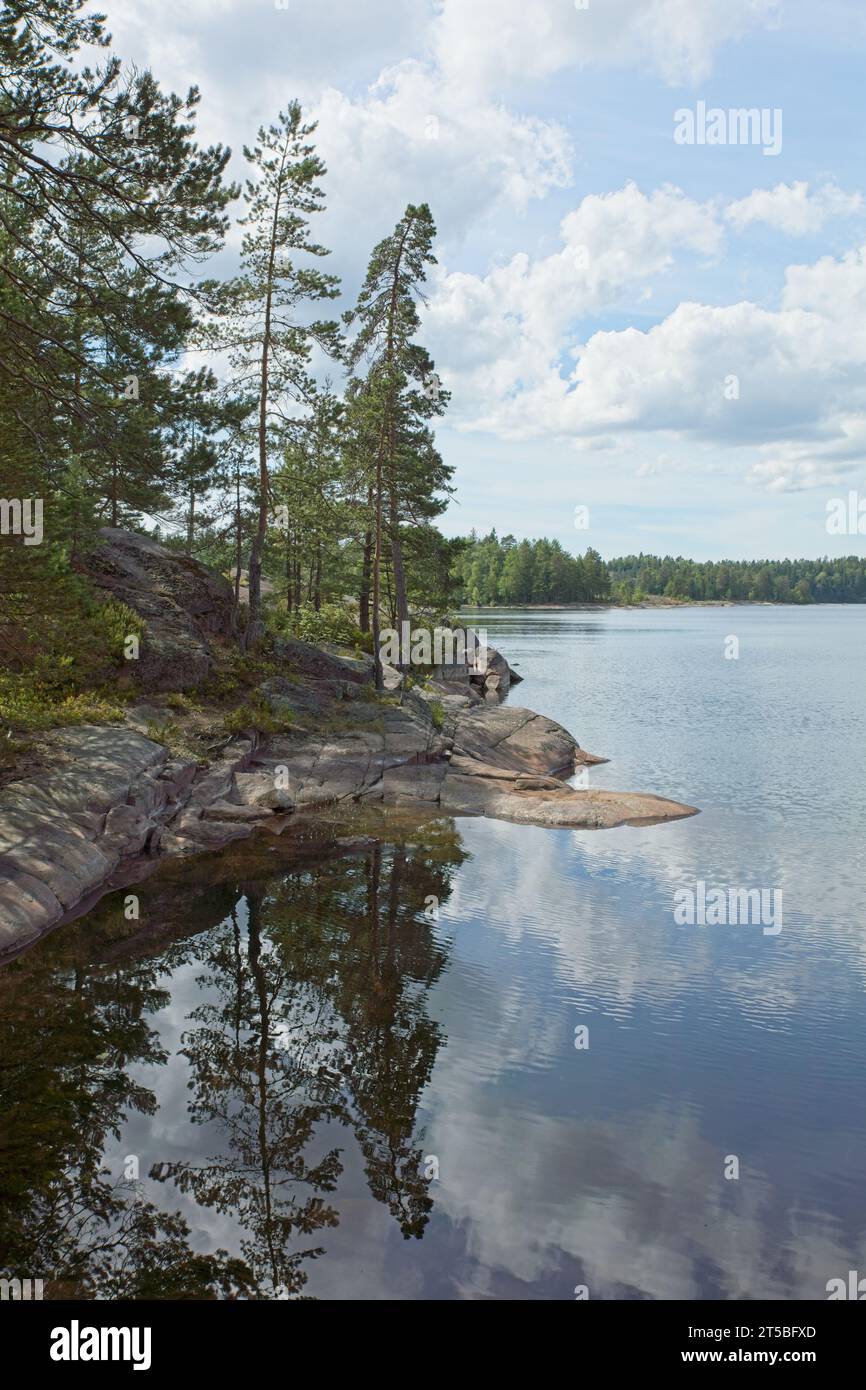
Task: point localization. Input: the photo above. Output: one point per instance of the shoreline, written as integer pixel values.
(305, 731)
(645, 603)
(121, 804)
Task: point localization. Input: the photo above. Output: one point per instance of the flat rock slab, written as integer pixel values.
(63, 833)
(109, 794)
(568, 806)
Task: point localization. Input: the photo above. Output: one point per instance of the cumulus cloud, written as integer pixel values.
(488, 43)
(410, 133)
(790, 208)
(794, 473)
(787, 382)
(503, 332)
(396, 122)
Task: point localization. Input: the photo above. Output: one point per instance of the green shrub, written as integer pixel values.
(333, 622)
(256, 713)
(112, 622)
(437, 713)
(172, 737)
(30, 706)
(177, 699)
(237, 672)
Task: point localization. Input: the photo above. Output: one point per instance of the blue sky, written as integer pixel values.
(671, 335)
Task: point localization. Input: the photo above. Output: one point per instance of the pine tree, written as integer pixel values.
(400, 393)
(106, 206)
(270, 342)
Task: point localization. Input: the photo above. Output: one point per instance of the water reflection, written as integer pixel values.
(311, 1018)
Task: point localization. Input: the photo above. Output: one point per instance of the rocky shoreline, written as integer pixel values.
(113, 799)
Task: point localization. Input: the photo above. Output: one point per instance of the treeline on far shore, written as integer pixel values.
(502, 570)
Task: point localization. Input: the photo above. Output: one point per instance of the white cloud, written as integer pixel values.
(488, 44)
(370, 78)
(793, 473)
(786, 383)
(792, 209)
(410, 131)
(504, 332)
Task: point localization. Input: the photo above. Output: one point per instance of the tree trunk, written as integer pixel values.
(255, 627)
(288, 570)
(377, 572)
(402, 607)
(364, 596)
(401, 602)
(238, 551)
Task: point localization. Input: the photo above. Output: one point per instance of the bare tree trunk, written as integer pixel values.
(377, 572)
(288, 570)
(238, 549)
(401, 601)
(364, 596)
(389, 597)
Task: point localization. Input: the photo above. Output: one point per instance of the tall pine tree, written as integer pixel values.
(270, 339)
(401, 391)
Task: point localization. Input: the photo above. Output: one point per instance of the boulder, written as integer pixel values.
(520, 739)
(259, 791)
(494, 677)
(306, 660)
(184, 604)
(64, 833)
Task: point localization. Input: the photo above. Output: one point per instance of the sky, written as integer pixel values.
(644, 306)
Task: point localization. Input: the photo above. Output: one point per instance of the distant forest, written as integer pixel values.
(494, 570)
(840, 580)
(488, 570)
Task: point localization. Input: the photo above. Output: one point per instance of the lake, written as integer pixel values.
(465, 1059)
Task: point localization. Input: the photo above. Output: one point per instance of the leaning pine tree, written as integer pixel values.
(269, 340)
(400, 392)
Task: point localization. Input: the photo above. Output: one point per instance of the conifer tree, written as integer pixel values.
(400, 392)
(271, 343)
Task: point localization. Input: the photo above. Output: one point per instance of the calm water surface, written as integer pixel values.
(327, 1091)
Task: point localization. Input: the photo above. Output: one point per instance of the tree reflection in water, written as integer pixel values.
(313, 981)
